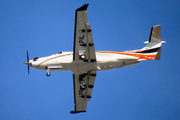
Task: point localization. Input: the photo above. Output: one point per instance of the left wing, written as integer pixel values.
(83, 41)
(83, 85)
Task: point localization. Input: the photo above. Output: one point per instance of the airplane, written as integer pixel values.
(84, 61)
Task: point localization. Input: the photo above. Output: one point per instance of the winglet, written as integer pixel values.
(84, 7)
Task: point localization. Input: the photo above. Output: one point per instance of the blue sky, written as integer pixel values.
(149, 90)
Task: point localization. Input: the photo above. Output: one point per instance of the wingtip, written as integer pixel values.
(84, 7)
(73, 112)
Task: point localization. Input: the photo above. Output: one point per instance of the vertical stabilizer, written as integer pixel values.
(158, 55)
(155, 34)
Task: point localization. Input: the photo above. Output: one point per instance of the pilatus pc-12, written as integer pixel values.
(84, 61)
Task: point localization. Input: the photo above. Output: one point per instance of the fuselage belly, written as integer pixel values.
(64, 62)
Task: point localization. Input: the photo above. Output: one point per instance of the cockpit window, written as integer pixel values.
(35, 59)
(59, 53)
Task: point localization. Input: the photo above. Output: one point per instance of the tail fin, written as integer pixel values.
(155, 34)
(154, 43)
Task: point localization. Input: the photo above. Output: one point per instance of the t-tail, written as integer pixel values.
(153, 48)
(154, 43)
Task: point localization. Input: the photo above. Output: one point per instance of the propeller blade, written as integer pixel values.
(27, 56)
(28, 62)
(28, 69)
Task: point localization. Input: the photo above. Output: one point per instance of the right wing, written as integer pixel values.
(83, 85)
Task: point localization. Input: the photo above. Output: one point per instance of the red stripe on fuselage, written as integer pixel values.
(141, 56)
(54, 58)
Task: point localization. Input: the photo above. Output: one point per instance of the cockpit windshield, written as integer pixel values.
(36, 58)
(59, 53)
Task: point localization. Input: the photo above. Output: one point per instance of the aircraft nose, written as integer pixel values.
(26, 63)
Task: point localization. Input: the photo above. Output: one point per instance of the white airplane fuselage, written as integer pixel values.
(63, 61)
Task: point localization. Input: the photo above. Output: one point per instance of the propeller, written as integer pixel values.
(27, 62)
